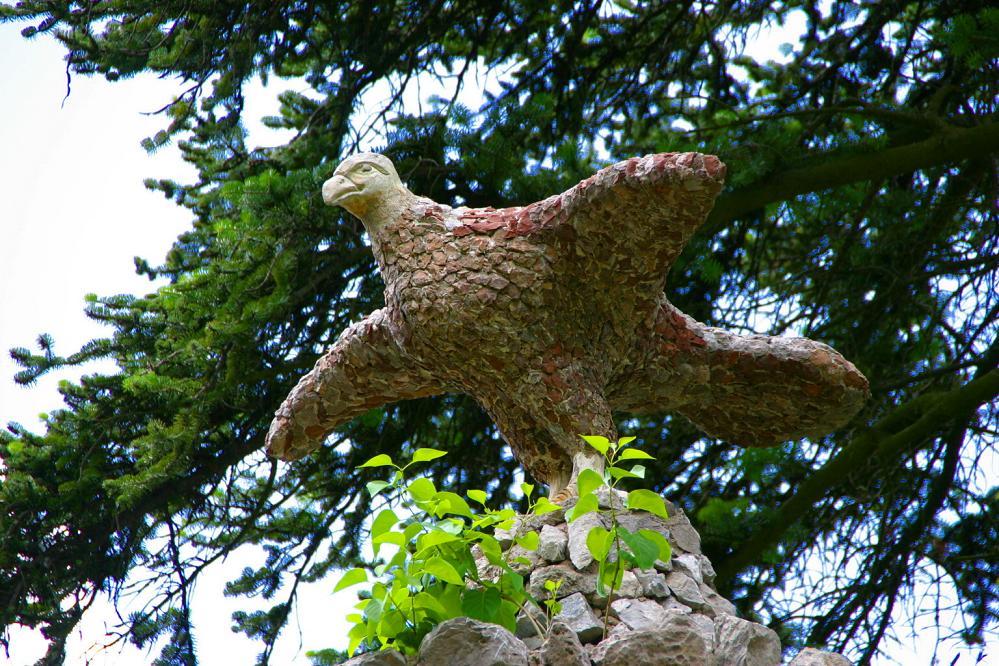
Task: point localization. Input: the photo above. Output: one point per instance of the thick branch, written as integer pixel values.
(884, 442)
(947, 146)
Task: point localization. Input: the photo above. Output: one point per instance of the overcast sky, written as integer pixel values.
(74, 214)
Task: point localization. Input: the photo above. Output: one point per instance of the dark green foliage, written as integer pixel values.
(860, 211)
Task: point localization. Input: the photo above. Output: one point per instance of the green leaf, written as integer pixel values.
(527, 489)
(422, 489)
(511, 584)
(375, 487)
(491, 549)
(625, 441)
(646, 500)
(352, 577)
(477, 496)
(383, 522)
(443, 570)
(621, 473)
(424, 455)
(601, 444)
(432, 539)
(481, 604)
(381, 460)
(356, 635)
(588, 481)
(372, 609)
(544, 505)
(528, 541)
(645, 550)
(585, 505)
(506, 615)
(450, 599)
(635, 454)
(665, 550)
(639, 471)
(599, 541)
(391, 625)
(448, 502)
(430, 603)
(609, 577)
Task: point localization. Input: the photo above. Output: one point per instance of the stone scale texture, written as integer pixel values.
(552, 316)
(649, 624)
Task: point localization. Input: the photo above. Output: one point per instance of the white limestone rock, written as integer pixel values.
(813, 657)
(678, 643)
(739, 642)
(553, 544)
(653, 584)
(689, 565)
(378, 658)
(572, 581)
(562, 648)
(639, 615)
(682, 534)
(685, 590)
(463, 641)
(525, 626)
(578, 616)
(716, 604)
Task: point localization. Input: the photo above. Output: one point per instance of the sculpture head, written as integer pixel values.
(367, 185)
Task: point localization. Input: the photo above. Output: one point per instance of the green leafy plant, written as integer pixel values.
(432, 576)
(616, 548)
(552, 605)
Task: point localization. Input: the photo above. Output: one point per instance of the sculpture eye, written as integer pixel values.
(366, 168)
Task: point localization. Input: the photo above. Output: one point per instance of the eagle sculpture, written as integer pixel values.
(553, 317)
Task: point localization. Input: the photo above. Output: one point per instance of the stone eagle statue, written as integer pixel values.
(552, 316)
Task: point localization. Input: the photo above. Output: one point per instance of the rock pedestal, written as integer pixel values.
(670, 615)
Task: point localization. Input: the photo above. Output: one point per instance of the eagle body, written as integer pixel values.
(553, 317)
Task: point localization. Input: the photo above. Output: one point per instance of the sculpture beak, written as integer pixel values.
(338, 188)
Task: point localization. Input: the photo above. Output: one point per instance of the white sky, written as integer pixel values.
(74, 214)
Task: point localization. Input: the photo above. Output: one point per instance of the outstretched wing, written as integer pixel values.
(620, 229)
(752, 390)
(634, 218)
(365, 368)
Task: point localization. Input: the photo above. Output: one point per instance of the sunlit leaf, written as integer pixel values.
(384, 521)
(381, 460)
(646, 500)
(442, 569)
(425, 455)
(588, 481)
(585, 505)
(422, 489)
(665, 550)
(599, 541)
(635, 454)
(352, 577)
(528, 540)
(601, 444)
(375, 487)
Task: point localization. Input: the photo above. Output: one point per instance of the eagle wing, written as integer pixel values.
(634, 218)
(621, 229)
(751, 390)
(365, 368)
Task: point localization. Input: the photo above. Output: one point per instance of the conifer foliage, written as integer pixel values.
(859, 210)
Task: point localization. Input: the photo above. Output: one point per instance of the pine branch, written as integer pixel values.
(944, 147)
